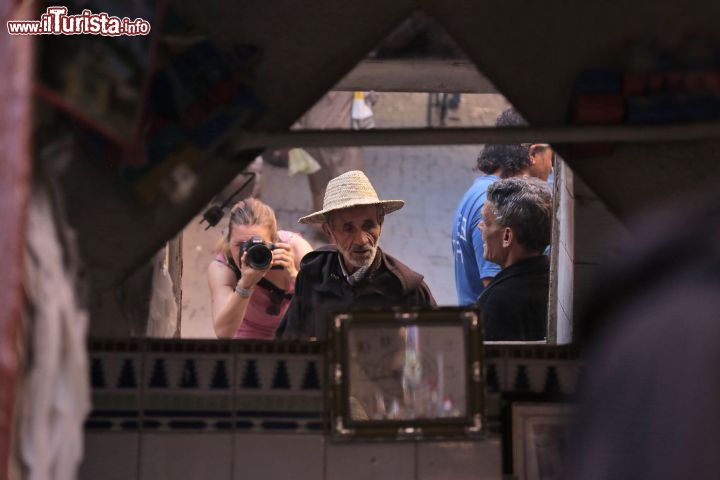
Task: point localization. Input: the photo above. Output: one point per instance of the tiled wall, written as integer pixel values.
(236, 410)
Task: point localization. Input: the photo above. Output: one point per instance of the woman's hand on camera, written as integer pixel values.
(284, 257)
(250, 276)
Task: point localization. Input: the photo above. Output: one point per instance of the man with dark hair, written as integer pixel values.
(510, 118)
(504, 160)
(540, 155)
(472, 272)
(516, 229)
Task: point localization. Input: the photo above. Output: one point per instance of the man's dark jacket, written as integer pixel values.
(321, 291)
(514, 305)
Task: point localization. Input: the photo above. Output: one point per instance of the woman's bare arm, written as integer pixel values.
(228, 308)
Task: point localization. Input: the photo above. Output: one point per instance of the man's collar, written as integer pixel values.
(332, 277)
(359, 274)
(530, 265)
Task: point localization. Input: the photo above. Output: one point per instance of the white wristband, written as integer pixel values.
(243, 292)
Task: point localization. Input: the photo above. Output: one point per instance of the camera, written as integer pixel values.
(259, 254)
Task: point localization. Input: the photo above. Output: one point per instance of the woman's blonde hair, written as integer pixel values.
(249, 211)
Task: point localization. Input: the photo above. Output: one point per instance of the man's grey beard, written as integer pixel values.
(366, 262)
(362, 267)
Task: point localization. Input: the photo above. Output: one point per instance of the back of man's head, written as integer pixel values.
(510, 118)
(524, 205)
(509, 159)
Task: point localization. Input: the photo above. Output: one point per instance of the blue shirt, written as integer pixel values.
(467, 243)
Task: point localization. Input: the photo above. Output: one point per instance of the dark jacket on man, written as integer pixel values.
(321, 291)
(514, 305)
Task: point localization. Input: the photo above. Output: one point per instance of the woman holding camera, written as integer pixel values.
(250, 300)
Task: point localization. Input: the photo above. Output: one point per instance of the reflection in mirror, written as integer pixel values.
(431, 180)
(406, 373)
(292, 183)
(418, 236)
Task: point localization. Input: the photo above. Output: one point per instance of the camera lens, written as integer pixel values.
(259, 257)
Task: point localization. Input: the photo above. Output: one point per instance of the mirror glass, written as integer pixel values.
(407, 373)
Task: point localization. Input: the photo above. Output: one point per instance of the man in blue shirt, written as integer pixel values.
(472, 272)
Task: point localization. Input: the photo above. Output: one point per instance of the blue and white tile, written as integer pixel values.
(116, 371)
(187, 390)
(190, 371)
(116, 377)
(265, 366)
(530, 371)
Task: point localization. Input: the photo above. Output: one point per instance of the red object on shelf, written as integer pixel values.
(635, 83)
(656, 82)
(674, 81)
(711, 81)
(599, 109)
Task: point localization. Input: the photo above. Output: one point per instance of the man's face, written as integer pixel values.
(356, 232)
(541, 161)
(492, 233)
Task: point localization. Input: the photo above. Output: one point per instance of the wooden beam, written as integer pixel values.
(477, 136)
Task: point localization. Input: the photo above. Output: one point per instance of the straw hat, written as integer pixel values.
(351, 189)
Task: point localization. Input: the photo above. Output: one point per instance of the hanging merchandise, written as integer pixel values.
(361, 113)
(300, 161)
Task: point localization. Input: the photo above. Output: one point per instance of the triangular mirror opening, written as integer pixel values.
(397, 85)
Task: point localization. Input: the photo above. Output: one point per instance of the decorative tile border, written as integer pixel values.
(220, 386)
(206, 386)
(531, 368)
(527, 368)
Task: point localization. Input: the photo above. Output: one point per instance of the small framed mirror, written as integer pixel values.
(406, 374)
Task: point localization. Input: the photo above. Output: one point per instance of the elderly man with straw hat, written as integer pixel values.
(354, 272)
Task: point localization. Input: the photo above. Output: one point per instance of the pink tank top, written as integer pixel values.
(266, 307)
